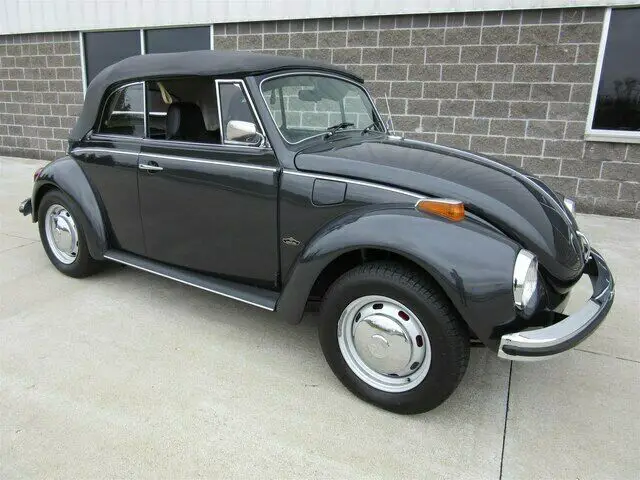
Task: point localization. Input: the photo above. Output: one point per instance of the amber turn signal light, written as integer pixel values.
(450, 209)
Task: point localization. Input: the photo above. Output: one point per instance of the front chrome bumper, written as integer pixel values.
(546, 342)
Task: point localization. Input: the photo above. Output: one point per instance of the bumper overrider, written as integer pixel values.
(25, 207)
(546, 342)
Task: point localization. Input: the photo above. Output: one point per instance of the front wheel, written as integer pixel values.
(62, 235)
(392, 337)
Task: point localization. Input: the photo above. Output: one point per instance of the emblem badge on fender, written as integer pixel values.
(292, 242)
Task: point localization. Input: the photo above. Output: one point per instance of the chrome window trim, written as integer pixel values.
(201, 287)
(220, 81)
(212, 162)
(144, 100)
(163, 143)
(113, 136)
(354, 182)
(106, 103)
(79, 150)
(318, 74)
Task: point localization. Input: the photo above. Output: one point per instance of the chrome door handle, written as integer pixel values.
(150, 168)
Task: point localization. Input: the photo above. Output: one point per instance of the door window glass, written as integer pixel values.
(182, 109)
(238, 121)
(124, 112)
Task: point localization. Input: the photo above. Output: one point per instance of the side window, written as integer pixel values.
(182, 109)
(239, 125)
(124, 112)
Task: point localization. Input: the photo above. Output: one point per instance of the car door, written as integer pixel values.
(109, 158)
(209, 202)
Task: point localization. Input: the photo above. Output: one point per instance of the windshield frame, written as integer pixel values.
(319, 74)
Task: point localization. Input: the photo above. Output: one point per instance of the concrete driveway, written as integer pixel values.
(130, 375)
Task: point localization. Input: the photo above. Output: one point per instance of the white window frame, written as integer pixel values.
(601, 135)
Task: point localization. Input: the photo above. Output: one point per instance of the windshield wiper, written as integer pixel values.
(338, 126)
(369, 128)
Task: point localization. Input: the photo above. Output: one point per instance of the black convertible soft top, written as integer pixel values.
(196, 63)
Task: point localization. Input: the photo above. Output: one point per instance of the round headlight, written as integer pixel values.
(525, 278)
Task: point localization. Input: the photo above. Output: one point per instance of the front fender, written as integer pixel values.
(66, 175)
(470, 261)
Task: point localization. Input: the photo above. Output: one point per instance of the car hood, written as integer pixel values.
(519, 205)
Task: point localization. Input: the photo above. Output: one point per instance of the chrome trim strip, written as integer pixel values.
(317, 74)
(79, 150)
(160, 142)
(212, 162)
(187, 283)
(144, 103)
(253, 110)
(447, 201)
(354, 182)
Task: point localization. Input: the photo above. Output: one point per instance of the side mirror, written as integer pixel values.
(243, 132)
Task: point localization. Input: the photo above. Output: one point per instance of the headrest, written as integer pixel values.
(185, 122)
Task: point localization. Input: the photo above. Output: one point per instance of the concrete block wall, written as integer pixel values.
(514, 85)
(40, 93)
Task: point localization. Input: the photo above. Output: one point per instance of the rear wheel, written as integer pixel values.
(62, 235)
(393, 338)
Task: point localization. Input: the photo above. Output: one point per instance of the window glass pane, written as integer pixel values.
(167, 40)
(102, 49)
(182, 109)
(618, 100)
(124, 112)
(234, 106)
(314, 103)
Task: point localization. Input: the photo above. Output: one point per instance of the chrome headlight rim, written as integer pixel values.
(525, 279)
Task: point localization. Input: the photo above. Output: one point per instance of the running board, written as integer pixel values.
(255, 296)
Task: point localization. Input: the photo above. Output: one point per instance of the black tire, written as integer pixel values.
(83, 265)
(448, 335)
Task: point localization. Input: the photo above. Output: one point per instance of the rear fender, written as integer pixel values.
(472, 263)
(66, 175)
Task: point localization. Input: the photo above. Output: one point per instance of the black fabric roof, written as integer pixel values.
(196, 63)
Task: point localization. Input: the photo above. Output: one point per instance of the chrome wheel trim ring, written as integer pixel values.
(384, 343)
(62, 234)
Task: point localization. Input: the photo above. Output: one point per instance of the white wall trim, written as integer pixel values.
(26, 16)
(599, 135)
(83, 66)
(143, 47)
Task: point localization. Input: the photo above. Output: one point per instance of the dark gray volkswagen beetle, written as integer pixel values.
(275, 182)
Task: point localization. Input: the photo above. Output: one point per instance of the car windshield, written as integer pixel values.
(305, 106)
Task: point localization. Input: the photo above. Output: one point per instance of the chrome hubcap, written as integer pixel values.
(62, 234)
(384, 343)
